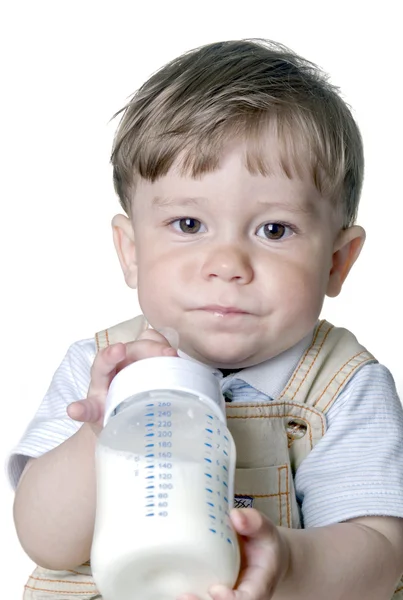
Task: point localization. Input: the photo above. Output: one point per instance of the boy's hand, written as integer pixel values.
(264, 559)
(107, 363)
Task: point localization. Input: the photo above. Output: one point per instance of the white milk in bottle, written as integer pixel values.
(165, 464)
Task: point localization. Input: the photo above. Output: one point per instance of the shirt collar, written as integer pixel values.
(271, 376)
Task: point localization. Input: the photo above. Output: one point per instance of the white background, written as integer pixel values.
(66, 67)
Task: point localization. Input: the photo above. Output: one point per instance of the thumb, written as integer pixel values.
(251, 523)
(86, 411)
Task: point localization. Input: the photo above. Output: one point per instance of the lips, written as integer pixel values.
(223, 310)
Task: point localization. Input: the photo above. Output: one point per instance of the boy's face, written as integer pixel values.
(237, 264)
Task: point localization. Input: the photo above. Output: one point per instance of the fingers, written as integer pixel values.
(107, 363)
(104, 369)
(264, 558)
(220, 592)
(150, 344)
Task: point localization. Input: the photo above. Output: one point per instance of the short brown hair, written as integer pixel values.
(198, 102)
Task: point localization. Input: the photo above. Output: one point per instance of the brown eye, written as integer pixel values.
(189, 225)
(275, 231)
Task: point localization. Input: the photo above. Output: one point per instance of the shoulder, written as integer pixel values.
(372, 388)
(72, 377)
(82, 351)
(79, 357)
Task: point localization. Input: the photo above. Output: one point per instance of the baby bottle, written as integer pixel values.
(165, 464)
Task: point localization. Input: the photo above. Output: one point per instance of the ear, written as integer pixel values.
(346, 250)
(123, 238)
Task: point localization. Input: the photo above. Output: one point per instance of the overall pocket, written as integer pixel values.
(269, 490)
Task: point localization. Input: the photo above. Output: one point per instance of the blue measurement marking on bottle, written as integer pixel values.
(149, 424)
(150, 415)
(150, 455)
(213, 530)
(212, 516)
(150, 445)
(209, 490)
(149, 435)
(209, 416)
(150, 515)
(225, 438)
(149, 405)
(225, 484)
(226, 453)
(226, 499)
(209, 430)
(225, 468)
(150, 505)
(229, 541)
(208, 460)
(210, 504)
(150, 477)
(208, 445)
(150, 496)
(150, 466)
(208, 475)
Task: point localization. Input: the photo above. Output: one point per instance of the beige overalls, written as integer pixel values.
(271, 439)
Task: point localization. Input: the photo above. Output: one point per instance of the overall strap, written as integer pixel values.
(128, 331)
(326, 367)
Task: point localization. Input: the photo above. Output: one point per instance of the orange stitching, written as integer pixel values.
(303, 358)
(334, 377)
(288, 500)
(281, 417)
(107, 337)
(97, 341)
(313, 362)
(279, 495)
(64, 580)
(275, 416)
(346, 377)
(263, 416)
(286, 494)
(235, 406)
(37, 589)
(262, 495)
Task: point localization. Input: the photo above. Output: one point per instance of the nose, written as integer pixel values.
(228, 263)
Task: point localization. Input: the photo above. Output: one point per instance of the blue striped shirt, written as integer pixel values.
(355, 470)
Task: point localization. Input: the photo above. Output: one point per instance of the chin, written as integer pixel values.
(225, 358)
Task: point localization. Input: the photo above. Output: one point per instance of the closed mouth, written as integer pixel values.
(223, 310)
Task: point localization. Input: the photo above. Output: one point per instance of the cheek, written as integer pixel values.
(301, 287)
(157, 278)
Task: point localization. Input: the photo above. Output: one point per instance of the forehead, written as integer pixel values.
(251, 173)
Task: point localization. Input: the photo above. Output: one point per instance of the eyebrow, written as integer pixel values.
(309, 208)
(161, 202)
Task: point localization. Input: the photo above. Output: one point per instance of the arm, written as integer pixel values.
(359, 559)
(354, 470)
(347, 561)
(54, 507)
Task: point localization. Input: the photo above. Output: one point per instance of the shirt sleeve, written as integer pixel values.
(51, 424)
(356, 469)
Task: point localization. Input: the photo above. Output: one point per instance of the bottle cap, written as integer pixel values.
(165, 373)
